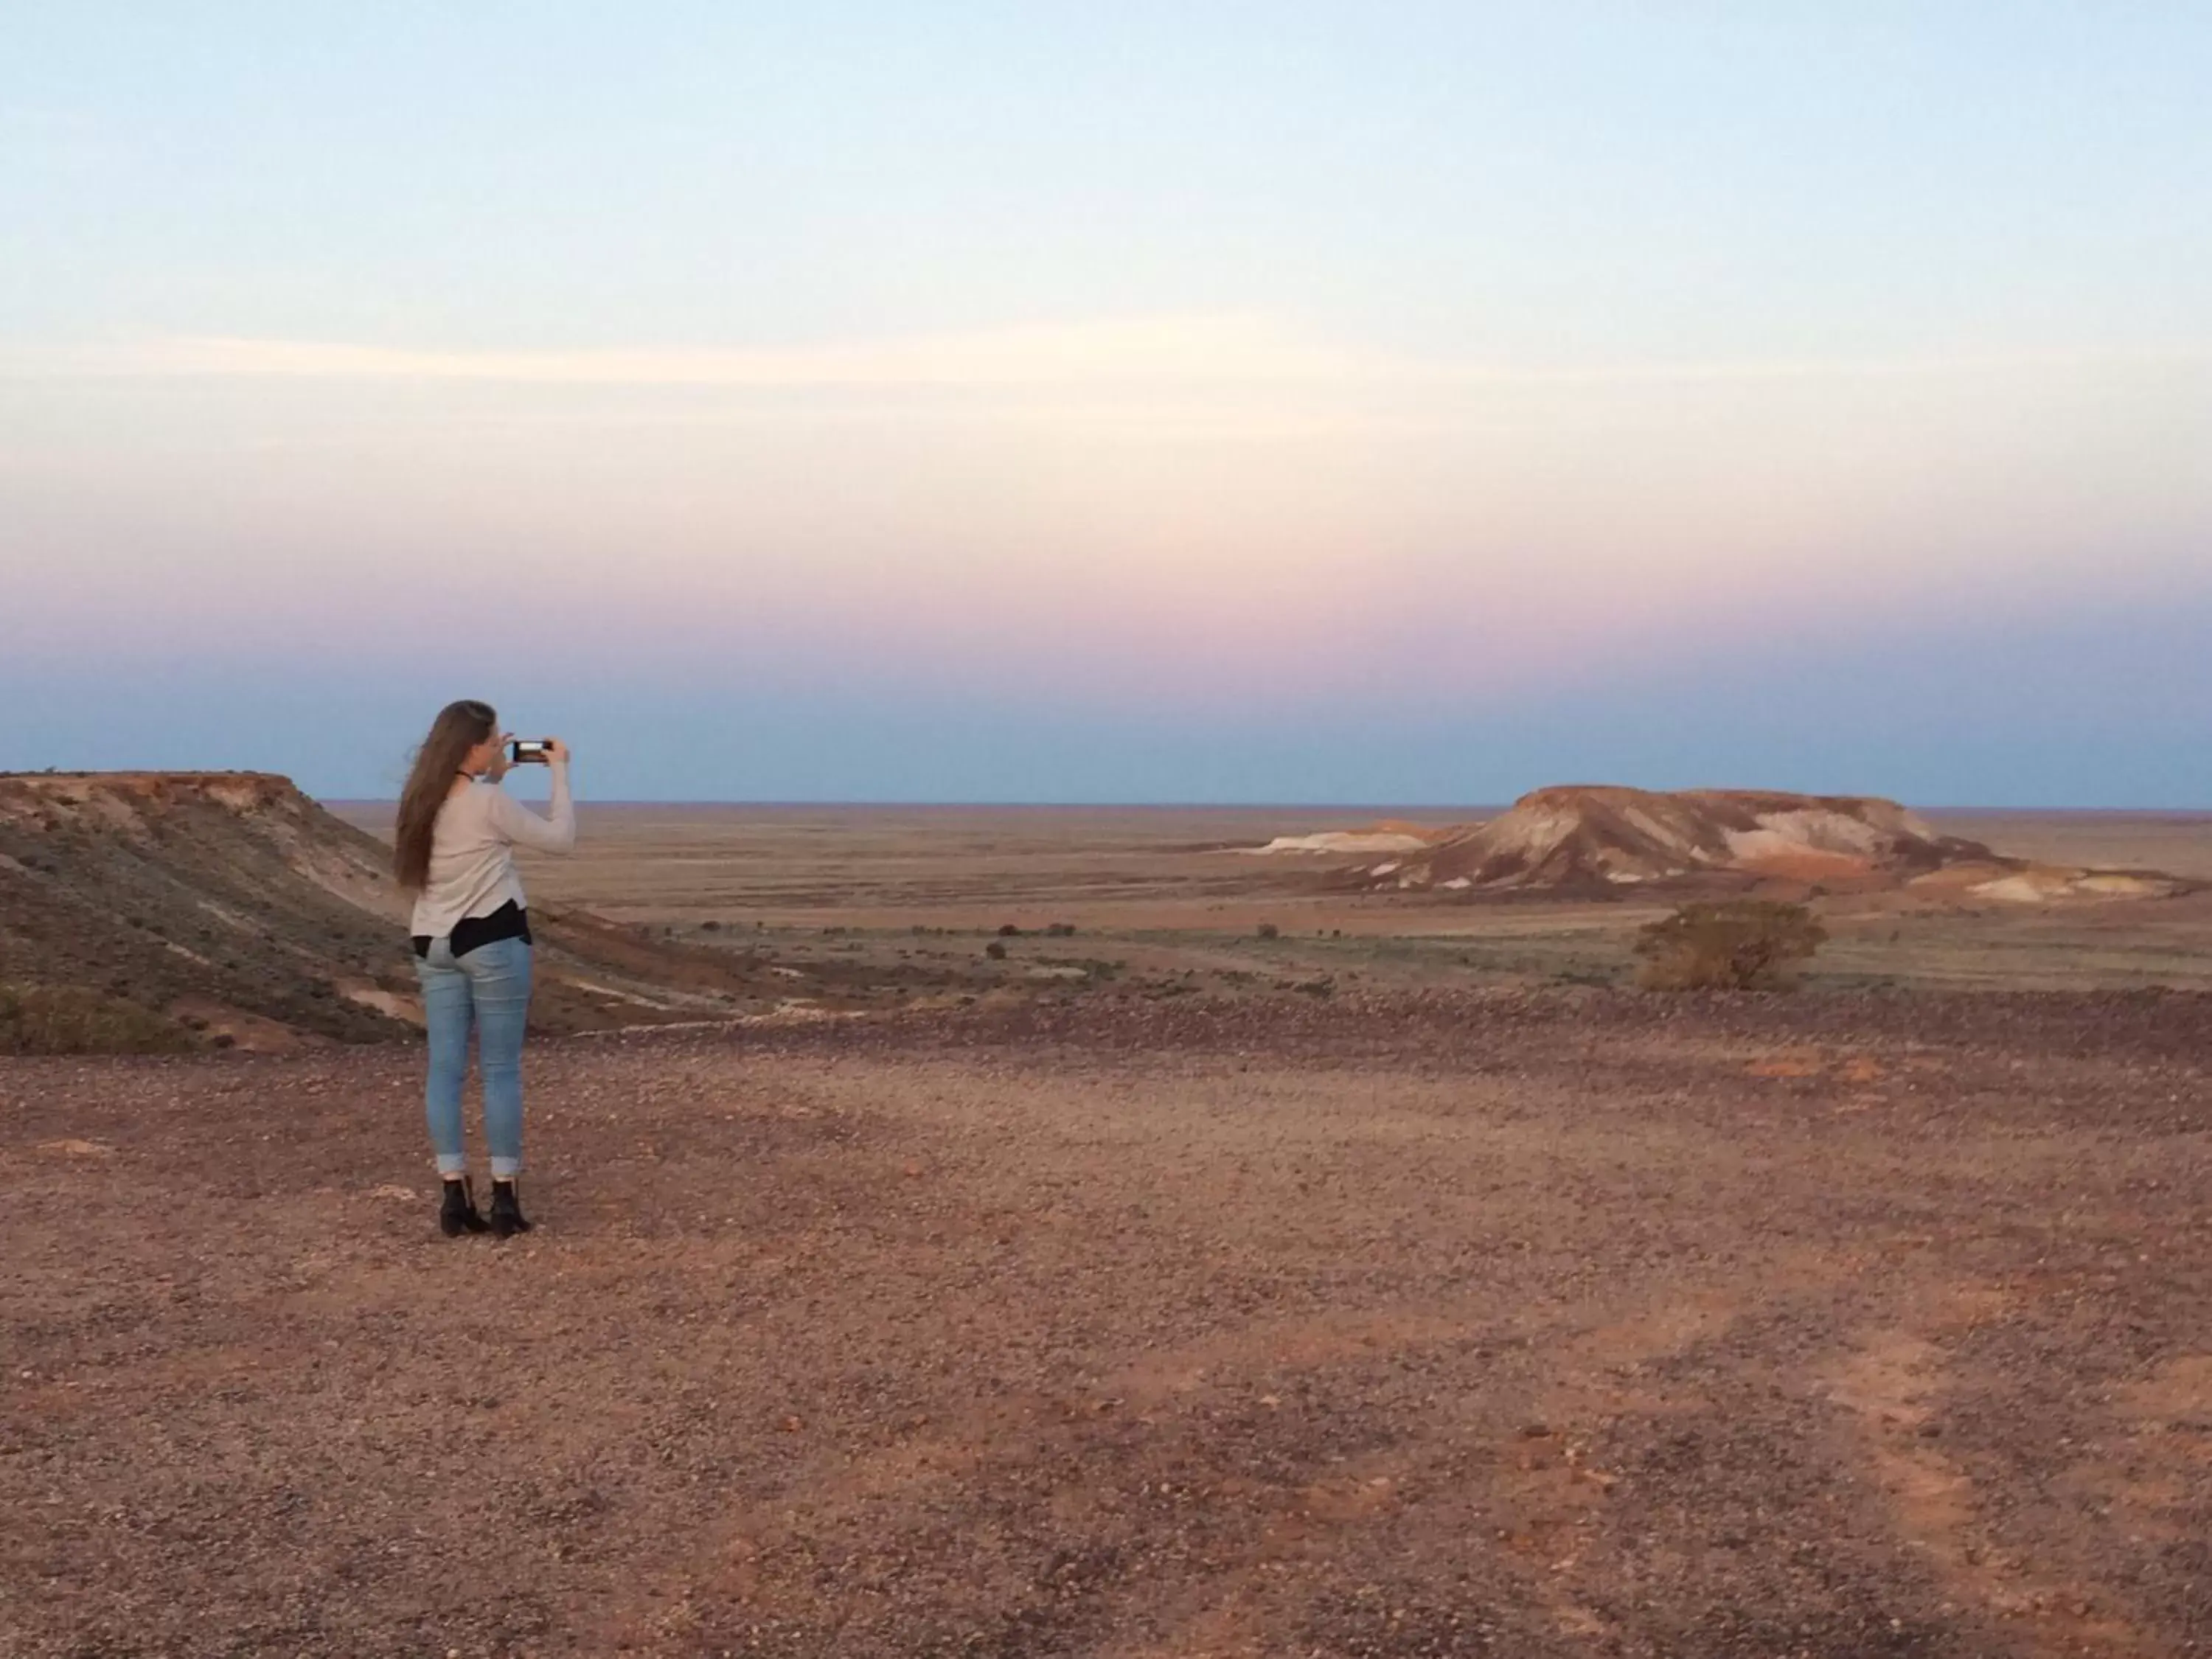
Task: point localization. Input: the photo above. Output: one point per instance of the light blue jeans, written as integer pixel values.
(489, 989)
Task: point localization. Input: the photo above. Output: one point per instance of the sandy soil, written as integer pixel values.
(1561, 1322)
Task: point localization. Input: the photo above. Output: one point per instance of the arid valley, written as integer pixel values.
(1009, 1232)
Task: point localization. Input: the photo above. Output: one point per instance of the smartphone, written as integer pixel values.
(530, 751)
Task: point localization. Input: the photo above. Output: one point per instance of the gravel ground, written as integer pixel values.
(1450, 1324)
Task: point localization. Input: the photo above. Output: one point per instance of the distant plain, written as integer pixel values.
(1165, 893)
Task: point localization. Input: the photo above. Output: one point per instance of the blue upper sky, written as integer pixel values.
(1147, 402)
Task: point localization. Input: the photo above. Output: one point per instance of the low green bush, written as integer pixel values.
(1740, 944)
(59, 1020)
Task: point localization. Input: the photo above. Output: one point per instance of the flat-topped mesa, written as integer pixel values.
(1593, 839)
(241, 791)
(230, 905)
(188, 825)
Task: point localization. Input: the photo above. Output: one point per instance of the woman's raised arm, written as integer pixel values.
(554, 833)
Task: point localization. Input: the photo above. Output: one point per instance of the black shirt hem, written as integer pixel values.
(510, 921)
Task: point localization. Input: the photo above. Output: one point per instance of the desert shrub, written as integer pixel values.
(47, 1020)
(1008, 930)
(1060, 930)
(1268, 930)
(710, 927)
(995, 950)
(1742, 944)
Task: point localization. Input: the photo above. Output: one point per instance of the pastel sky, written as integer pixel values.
(1285, 402)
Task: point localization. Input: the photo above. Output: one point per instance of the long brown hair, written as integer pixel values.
(460, 727)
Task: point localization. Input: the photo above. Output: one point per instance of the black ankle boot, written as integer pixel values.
(458, 1214)
(506, 1218)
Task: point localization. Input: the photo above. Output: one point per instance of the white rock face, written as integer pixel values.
(1341, 842)
(1584, 837)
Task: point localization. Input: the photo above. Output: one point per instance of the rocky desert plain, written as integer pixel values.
(1118, 1232)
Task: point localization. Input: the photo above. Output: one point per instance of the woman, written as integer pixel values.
(457, 829)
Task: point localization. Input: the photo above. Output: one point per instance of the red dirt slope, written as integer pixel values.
(237, 912)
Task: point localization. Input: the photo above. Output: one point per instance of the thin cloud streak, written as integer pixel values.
(1169, 351)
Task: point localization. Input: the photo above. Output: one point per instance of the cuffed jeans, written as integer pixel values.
(489, 989)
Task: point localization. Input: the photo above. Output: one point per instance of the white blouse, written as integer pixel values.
(471, 851)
